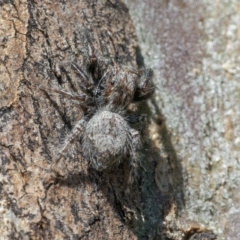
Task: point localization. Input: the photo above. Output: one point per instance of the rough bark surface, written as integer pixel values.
(193, 47)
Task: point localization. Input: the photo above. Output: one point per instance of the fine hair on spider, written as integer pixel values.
(108, 132)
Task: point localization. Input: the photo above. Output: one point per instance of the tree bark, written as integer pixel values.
(37, 38)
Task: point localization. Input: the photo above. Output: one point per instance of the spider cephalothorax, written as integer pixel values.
(107, 131)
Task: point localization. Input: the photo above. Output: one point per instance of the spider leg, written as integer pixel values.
(86, 81)
(99, 91)
(145, 87)
(136, 120)
(135, 145)
(93, 61)
(75, 133)
(79, 97)
(77, 130)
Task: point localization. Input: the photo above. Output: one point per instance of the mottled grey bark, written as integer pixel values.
(193, 47)
(36, 39)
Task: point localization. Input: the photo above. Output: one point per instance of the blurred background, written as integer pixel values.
(194, 50)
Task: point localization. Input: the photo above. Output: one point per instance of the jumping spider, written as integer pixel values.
(107, 131)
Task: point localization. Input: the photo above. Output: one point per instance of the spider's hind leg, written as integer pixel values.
(135, 145)
(136, 120)
(77, 130)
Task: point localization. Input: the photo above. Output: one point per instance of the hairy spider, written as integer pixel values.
(108, 132)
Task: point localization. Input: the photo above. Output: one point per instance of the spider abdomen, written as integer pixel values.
(106, 139)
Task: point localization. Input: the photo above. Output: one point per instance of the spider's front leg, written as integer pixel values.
(83, 98)
(86, 83)
(145, 86)
(93, 64)
(93, 61)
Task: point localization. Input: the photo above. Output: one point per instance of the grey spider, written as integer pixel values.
(108, 132)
